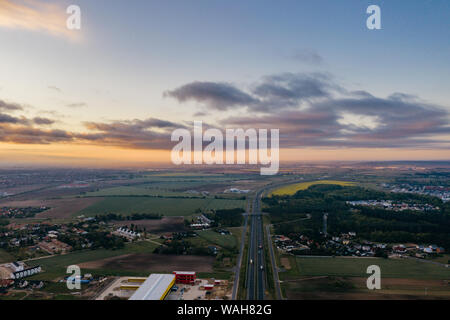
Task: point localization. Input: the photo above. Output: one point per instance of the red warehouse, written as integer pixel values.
(186, 277)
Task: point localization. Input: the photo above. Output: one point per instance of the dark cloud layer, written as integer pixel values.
(388, 123)
(43, 121)
(31, 135)
(216, 95)
(7, 106)
(311, 110)
(273, 92)
(151, 133)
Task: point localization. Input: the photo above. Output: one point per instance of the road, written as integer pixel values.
(256, 267)
(239, 260)
(256, 275)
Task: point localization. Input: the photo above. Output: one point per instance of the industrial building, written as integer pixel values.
(156, 287)
(17, 270)
(185, 277)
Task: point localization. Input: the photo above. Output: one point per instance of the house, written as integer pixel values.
(399, 248)
(428, 250)
(54, 246)
(213, 249)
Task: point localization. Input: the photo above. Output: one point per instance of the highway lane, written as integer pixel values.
(251, 284)
(256, 262)
(261, 278)
(256, 270)
(260, 254)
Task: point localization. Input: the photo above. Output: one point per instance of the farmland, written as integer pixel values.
(356, 267)
(146, 263)
(345, 278)
(134, 191)
(226, 241)
(344, 288)
(59, 208)
(166, 224)
(5, 256)
(55, 266)
(293, 188)
(164, 206)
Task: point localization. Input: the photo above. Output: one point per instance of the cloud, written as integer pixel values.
(55, 89)
(4, 118)
(360, 121)
(200, 114)
(274, 92)
(10, 106)
(150, 133)
(29, 135)
(307, 56)
(135, 134)
(35, 15)
(77, 105)
(43, 121)
(289, 90)
(311, 110)
(215, 95)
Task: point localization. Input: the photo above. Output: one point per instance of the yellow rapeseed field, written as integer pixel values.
(293, 188)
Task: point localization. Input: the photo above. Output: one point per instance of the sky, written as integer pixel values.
(111, 93)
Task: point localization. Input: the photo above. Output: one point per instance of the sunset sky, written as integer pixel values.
(111, 93)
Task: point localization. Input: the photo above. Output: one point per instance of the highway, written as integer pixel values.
(256, 265)
(256, 276)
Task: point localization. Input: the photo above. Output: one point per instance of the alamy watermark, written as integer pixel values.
(374, 20)
(73, 282)
(73, 22)
(374, 281)
(228, 148)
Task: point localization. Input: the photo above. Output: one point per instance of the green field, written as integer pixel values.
(138, 191)
(293, 188)
(356, 267)
(445, 259)
(55, 267)
(226, 241)
(5, 256)
(14, 296)
(164, 206)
